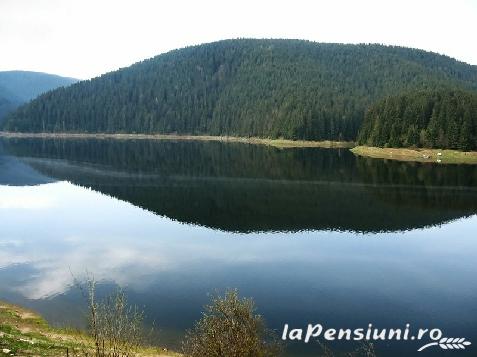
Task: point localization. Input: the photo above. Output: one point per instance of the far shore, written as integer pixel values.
(279, 143)
(401, 154)
(418, 155)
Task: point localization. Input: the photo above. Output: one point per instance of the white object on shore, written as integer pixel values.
(27, 341)
(439, 154)
(6, 350)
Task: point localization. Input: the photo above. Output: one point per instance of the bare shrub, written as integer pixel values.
(366, 349)
(230, 328)
(115, 326)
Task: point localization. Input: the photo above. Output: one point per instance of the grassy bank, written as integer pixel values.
(25, 333)
(418, 155)
(280, 143)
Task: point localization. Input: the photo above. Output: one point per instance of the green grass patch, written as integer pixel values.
(418, 155)
(25, 333)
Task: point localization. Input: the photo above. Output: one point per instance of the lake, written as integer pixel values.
(313, 235)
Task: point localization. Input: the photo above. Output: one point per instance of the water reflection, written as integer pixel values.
(306, 255)
(16, 173)
(339, 278)
(245, 188)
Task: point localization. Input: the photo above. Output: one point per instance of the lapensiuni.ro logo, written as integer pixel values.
(429, 337)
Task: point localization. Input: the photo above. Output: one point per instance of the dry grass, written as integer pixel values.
(418, 155)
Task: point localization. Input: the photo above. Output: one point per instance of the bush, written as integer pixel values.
(231, 328)
(115, 326)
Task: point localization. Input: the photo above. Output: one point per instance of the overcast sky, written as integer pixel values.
(85, 38)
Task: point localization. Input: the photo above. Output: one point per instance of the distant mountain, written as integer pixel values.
(8, 103)
(431, 119)
(18, 87)
(267, 88)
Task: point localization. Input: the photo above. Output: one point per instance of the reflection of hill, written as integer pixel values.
(13, 172)
(244, 188)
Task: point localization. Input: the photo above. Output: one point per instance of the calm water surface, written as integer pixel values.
(313, 235)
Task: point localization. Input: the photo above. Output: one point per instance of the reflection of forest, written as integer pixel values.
(422, 186)
(243, 188)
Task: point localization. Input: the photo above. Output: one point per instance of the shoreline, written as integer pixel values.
(439, 156)
(23, 332)
(279, 143)
(425, 155)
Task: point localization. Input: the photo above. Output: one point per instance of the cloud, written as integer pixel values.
(24, 198)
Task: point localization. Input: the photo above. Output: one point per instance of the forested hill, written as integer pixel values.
(18, 87)
(267, 88)
(432, 119)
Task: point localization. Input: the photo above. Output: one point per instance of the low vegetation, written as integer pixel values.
(115, 326)
(230, 327)
(25, 333)
(418, 155)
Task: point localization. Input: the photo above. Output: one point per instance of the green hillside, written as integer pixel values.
(266, 88)
(431, 119)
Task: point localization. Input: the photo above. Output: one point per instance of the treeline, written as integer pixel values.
(431, 119)
(267, 88)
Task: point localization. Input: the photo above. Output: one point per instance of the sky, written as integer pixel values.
(86, 38)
